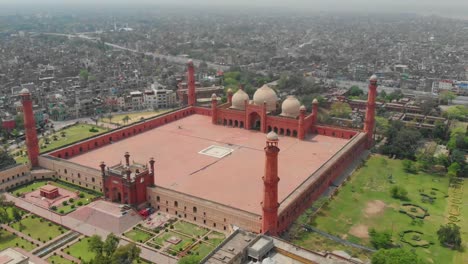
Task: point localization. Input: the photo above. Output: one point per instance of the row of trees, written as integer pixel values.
(109, 251)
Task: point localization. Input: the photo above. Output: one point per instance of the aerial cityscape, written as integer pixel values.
(233, 133)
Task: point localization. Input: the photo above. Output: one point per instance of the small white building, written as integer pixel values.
(158, 97)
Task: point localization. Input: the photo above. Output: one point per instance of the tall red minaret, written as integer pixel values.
(270, 186)
(32, 143)
(191, 83)
(370, 112)
(301, 130)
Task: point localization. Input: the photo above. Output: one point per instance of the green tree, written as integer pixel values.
(398, 192)
(110, 244)
(6, 160)
(84, 74)
(190, 259)
(96, 245)
(409, 166)
(401, 141)
(110, 116)
(395, 256)
(453, 169)
(447, 96)
(126, 254)
(19, 122)
(126, 119)
(355, 91)
(449, 235)
(340, 109)
(458, 112)
(380, 239)
(381, 125)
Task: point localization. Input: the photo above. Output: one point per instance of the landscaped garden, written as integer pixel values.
(57, 259)
(138, 235)
(81, 250)
(190, 229)
(129, 118)
(38, 228)
(61, 138)
(8, 239)
(368, 201)
(202, 249)
(84, 197)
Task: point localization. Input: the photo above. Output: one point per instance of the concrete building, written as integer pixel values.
(160, 98)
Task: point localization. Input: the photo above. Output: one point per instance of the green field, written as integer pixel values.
(190, 229)
(8, 239)
(216, 238)
(134, 117)
(138, 235)
(38, 228)
(88, 195)
(202, 249)
(365, 202)
(81, 249)
(72, 134)
(58, 260)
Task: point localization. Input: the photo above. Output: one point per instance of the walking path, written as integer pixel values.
(336, 239)
(83, 228)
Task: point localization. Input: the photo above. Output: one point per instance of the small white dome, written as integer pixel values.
(373, 78)
(266, 95)
(24, 91)
(214, 97)
(238, 100)
(290, 107)
(302, 108)
(315, 101)
(272, 136)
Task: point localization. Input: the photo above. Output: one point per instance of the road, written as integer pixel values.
(170, 58)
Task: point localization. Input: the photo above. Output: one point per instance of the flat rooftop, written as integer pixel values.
(217, 163)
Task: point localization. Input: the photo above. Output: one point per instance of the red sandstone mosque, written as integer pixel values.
(212, 165)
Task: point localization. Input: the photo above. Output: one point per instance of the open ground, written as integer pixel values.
(365, 202)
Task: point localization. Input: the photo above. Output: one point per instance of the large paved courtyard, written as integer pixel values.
(180, 166)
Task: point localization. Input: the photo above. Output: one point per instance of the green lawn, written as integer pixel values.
(138, 235)
(216, 238)
(461, 256)
(87, 198)
(365, 202)
(58, 260)
(72, 134)
(8, 239)
(134, 117)
(202, 249)
(81, 249)
(190, 229)
(32, 226)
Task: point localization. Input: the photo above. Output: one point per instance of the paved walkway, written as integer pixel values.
(59, 252)
(84, 228)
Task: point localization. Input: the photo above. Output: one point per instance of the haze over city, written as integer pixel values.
(234, 132)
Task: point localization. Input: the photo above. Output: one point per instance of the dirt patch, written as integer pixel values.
(360, 231)
(374, 207)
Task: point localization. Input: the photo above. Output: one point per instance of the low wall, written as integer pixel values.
(303, 197)
(120, 133)
(211, 214)
(332, 131)
(14, 176)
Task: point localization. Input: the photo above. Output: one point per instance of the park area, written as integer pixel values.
(70, 196)
(61, 138)
(175, 237)
(365, 202)
(129, 118)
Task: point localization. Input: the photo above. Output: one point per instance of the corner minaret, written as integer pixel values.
(214, 103)
(370, 111)
(191, 83)
(32, 143)
(301, 129)
(270, 203)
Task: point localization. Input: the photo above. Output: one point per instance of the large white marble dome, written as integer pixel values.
(266, 95)
(290, 107)
(238, 100)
